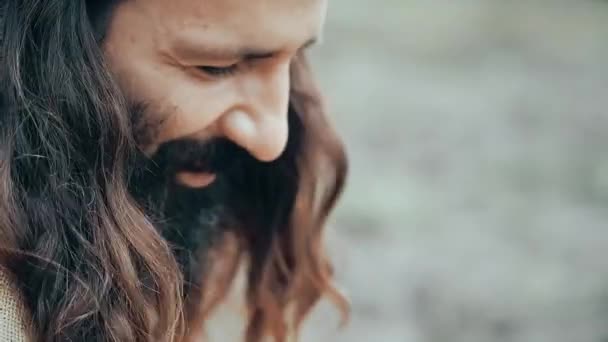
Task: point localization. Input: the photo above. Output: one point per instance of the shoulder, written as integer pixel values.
(12, 320)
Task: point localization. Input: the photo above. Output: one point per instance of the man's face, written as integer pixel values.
(208, 85)
(205, 70)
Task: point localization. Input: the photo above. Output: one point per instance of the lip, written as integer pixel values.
(195, 179)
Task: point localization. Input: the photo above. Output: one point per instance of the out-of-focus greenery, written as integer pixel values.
(477, 204)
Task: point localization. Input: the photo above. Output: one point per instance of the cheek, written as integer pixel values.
(196, 105)
(180, 104)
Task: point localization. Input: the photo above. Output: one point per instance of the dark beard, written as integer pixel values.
(253, 199)
(191, 220)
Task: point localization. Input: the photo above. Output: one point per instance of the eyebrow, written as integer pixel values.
(187, 49)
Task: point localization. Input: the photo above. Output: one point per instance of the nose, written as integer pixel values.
(259, 123)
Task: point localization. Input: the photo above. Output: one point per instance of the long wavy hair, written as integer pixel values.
(90, 263)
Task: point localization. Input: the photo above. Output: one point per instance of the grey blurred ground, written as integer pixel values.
(476, 208)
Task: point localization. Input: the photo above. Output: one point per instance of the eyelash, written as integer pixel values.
(219, 72)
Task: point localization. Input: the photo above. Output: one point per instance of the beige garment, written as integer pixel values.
(12, 319)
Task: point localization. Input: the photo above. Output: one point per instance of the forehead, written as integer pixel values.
(252, 21)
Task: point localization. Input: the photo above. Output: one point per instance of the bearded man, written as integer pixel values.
(148, 148)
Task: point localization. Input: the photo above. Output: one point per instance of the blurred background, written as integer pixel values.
(476, 207)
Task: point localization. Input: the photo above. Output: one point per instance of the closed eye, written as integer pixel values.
(219, 71)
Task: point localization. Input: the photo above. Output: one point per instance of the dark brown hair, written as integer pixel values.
(91, 265)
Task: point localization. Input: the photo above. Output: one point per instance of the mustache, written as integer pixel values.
(152, 178)
(217, 155)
